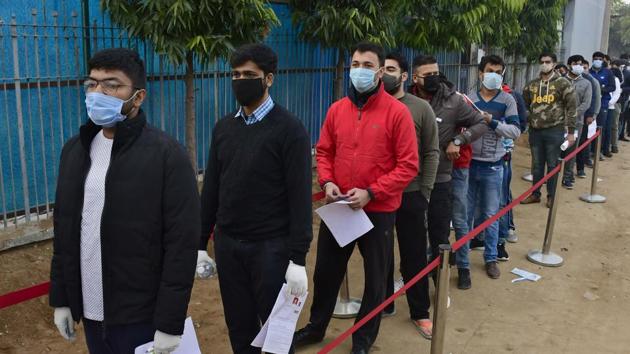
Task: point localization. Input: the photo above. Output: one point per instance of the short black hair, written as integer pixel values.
(553, 56)
(585, 62)
(126, 60)
(575, 58)
(400, 59)
(607, 57)
(492, 60)
(263, 56)
(421, 60)
(625, 56)
(598, 55)
(561, 66)
(365, 46)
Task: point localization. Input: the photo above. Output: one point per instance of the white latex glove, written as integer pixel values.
(297, 283)
(203, 257)
(65, 323)
(164, 343)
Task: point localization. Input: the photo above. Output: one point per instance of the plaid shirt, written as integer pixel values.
(258, 114)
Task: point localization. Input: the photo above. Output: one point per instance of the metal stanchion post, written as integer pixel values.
(546, 257)
(593, 197)
(346, 306)
(441, 300)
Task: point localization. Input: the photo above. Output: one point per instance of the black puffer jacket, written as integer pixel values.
(149, 227)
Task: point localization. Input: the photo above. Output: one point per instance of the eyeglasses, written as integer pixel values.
(109, 86)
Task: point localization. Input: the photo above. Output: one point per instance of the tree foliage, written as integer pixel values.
(433, 25)
(208, 28)
(619, 39)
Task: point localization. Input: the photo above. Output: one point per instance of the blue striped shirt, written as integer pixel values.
(258, 115)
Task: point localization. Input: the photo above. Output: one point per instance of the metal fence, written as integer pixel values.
(43, 62)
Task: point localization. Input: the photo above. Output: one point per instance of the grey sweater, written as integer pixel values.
(584, 92)
(428, 144)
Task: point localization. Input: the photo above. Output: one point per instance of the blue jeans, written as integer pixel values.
(460, 213)
(484, 192)
(607, 131)
(545, 147)
(506, 223)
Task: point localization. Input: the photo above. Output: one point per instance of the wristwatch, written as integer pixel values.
(457, 142)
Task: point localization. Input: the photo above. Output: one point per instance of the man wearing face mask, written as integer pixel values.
(584, 95)
(126, 219)
(257, 197)
(452, 113)
(367, 154)
(486, 168)
(583, 158)
(411, 217)
(607, 85)
(552, 106)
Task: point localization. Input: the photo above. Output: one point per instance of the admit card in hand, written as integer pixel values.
(344, 223)
(188, 345)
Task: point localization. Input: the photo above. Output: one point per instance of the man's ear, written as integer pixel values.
(269, 80)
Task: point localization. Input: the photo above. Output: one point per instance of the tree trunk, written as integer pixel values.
(339, 73)
(191, 136)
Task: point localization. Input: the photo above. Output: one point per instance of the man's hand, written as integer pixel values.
(487, 117)
(358, 198)
(589, 120)
(164, 343)
(571, 139)
(202, 260)
(452, 151)
(333, 193)
(297, 282)
(65, 323)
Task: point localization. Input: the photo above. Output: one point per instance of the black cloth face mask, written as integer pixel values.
(248, 91)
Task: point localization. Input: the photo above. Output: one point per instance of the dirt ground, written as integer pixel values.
(581, 307)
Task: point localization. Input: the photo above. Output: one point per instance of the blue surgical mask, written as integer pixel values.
(492, 81)
(597, 64)
(105, 110)
(362, 79)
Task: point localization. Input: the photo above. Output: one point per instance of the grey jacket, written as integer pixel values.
(584, 92)
(598, 93)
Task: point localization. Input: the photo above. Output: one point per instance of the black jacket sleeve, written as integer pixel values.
(209, 194)
(57, 296)
(297, 172)
(180, 222)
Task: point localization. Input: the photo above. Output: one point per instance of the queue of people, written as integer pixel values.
(410, 150)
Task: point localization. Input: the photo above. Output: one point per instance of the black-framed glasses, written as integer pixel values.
(109, 86)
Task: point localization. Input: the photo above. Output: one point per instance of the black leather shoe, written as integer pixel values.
(306, 336)
(359, 351)
(463, 279)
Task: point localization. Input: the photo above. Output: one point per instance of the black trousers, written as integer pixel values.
(411, 230)
(251, 274)
(584, 155)
(119, 339)
(376, 247)
(439, 216)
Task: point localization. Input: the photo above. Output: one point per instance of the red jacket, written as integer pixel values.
(465, 156)
(370, 148)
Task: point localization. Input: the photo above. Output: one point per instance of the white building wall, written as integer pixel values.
(583, 28)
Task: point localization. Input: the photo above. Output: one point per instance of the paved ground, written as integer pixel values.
(581, 307)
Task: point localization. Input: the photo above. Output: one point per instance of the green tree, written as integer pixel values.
(619, 39)
(185, 30)
(342, 23)
(432, 25)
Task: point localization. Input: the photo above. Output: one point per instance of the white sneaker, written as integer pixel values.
(512, 236)
(398, 284)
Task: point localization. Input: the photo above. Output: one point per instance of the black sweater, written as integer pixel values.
(258, 182)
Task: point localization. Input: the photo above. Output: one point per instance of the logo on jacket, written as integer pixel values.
(544, 99)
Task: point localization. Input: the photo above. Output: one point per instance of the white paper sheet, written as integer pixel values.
(345, 224)
(565, 144)
(276, 335)
(524, 275)
(592, 129)
(188, 345)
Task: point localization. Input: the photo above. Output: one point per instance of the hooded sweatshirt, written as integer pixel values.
(452, 113)
(584, 94)
(551, 103)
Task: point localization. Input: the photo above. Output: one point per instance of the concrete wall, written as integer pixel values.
(584, 25)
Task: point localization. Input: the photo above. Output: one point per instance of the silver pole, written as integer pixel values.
(346, 306)
(441, 301)
(20, 120)
(546, 257)
(594, 197)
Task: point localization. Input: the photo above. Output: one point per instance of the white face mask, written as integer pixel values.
(577, 69)
(492, 81)
(546, 68)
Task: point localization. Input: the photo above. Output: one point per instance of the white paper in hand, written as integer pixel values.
(344, 223)
(276, 335)
(188, 345)
(592, 129)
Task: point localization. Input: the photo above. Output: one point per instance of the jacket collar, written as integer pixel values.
(364, 100)
(126, 131)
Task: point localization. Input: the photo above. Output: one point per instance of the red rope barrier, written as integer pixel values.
(332, 345)
(22, 295)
